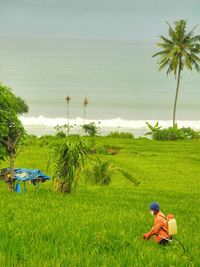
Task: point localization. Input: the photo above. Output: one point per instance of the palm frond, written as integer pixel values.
(171, 32)
(164, 45)
(179, 49)
(188, 62)
(180, 30)
(162, 53)
(166, 40)
(190, 34)
(195, 57)
(164, 64)
(195, 38)
(196, 65)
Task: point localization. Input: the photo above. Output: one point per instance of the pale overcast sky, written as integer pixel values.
(94, 18)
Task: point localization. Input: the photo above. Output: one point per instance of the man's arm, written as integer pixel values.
(155, 230)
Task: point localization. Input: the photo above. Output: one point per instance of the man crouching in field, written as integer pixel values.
(160, 228)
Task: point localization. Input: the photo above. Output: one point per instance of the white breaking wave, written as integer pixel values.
(105, 123)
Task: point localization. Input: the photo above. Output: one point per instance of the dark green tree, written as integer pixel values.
(11, 128)
(179, 50)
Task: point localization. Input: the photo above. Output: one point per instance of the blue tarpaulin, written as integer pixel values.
(24, 174)
(29, 175)
(34, 176)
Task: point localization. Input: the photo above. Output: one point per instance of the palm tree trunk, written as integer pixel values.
(67, 118)
(177, 90)
(84, 115)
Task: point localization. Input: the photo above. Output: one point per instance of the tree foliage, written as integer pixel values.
(11, 128)
(10, 102)
(180, 48)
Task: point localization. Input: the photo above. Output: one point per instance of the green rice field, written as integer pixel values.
(103, 226)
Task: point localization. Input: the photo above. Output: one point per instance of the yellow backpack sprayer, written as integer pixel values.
(172, 230)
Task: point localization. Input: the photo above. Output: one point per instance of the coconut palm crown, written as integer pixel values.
(180, 50)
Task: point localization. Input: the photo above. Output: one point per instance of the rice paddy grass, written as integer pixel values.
(103, 226)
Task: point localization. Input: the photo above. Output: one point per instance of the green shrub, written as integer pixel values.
(91, 129)
(172, 133)
(60, 134)
(190, 133)
(121, 135)
(168, 134)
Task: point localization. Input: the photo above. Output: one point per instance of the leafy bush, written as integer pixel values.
(172, 133)
(152, 129)
(91, 129)
(60, 134)
(190, 133)
(168, 134)
(121, 135)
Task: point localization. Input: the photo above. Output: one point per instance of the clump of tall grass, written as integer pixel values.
(67, 159)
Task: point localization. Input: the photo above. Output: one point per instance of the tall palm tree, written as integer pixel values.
(179, 50)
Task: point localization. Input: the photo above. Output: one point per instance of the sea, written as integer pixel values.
(119, 77)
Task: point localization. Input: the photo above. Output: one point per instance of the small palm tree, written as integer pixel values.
(67, 159)
(100, 172)
(68, 99)
(180, 50)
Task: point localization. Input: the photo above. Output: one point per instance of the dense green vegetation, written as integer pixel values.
(103, 226)
(11, 128)
(172, 133)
